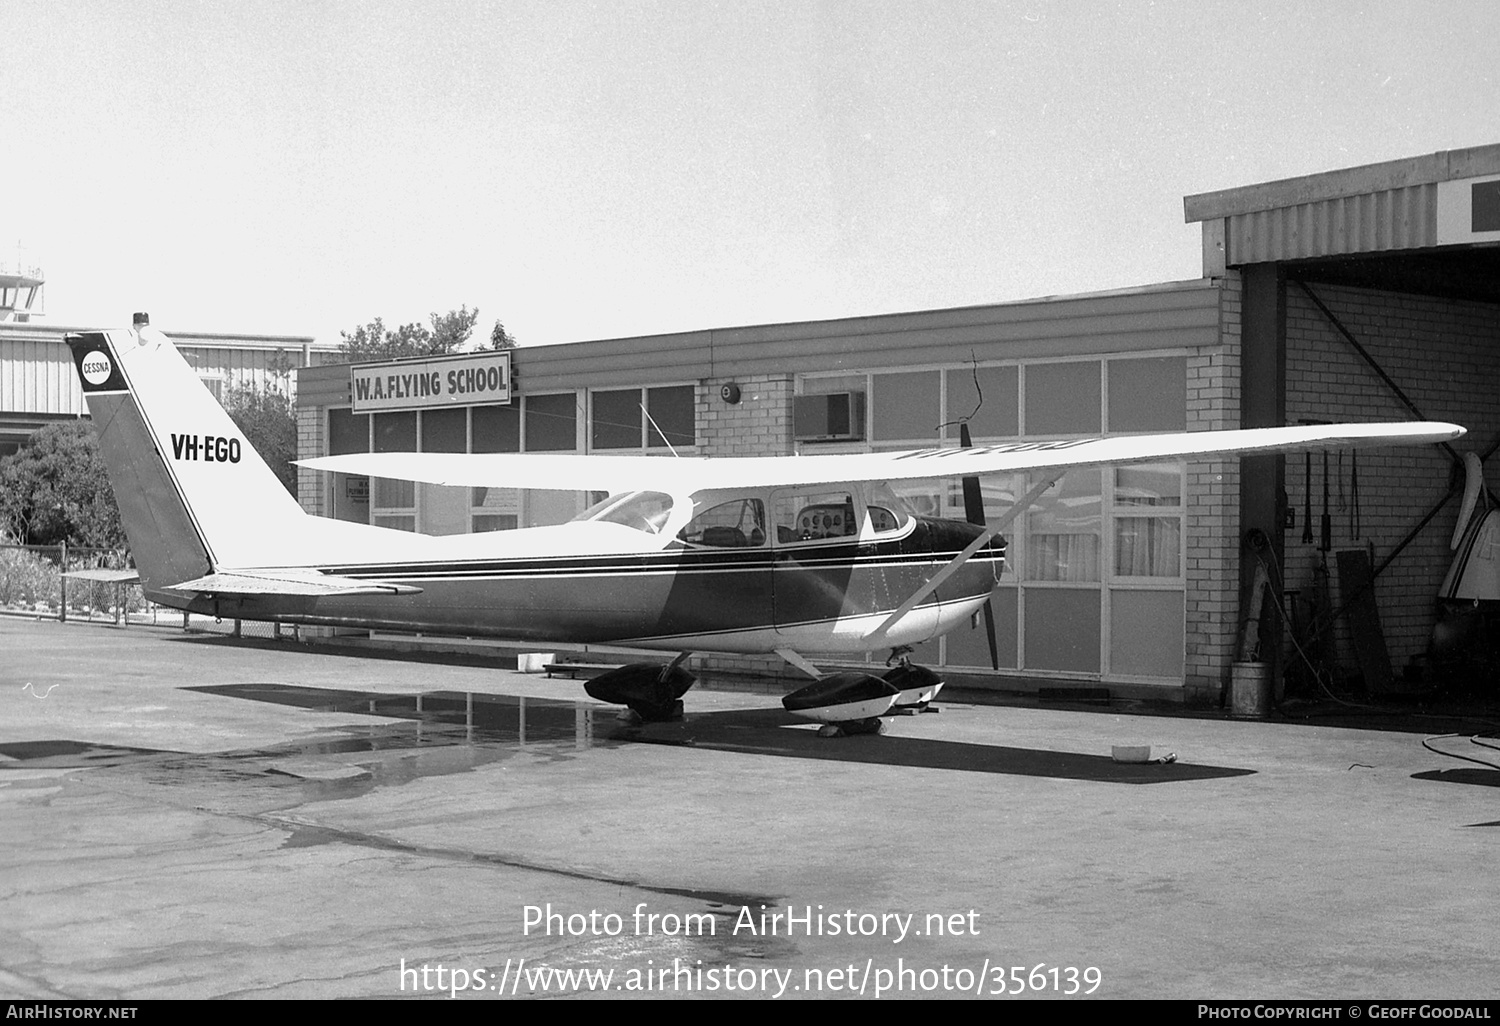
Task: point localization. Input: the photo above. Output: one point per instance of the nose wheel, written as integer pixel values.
(900, 656)
(917, 685)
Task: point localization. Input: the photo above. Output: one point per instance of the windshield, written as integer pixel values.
(641, 511)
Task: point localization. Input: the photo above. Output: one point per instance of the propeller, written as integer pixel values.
(974, 513)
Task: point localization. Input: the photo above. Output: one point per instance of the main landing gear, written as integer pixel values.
(849, 702)
(918, 685)
(652, 692)
(853, 702)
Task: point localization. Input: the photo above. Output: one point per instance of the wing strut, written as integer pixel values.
(963, 557)
(801, 663)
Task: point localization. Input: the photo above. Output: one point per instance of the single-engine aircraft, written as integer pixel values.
(795, 555)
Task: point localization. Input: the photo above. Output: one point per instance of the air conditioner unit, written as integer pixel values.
(836, 417)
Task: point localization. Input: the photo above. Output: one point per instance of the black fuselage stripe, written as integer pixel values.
(543, 568)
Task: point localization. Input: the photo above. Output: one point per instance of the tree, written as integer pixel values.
(54, 489)
(269, 422)
(452, 329)
(500, 338)
(374, 341)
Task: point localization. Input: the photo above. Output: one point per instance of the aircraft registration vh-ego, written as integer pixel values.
(800, 556)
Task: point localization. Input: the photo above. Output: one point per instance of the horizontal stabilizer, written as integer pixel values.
(102, 576)
(288, 582)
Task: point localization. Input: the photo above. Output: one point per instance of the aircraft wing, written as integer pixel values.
(287, 582)
(700, 473)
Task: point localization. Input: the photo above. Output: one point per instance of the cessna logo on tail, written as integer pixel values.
(208, 448)
(96, 368)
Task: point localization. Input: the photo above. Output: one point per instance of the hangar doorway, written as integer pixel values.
(1365, 296)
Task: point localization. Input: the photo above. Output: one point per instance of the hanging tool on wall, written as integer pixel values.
(1322, 619)
(1354, 526)
(1325, 543)
(1307, 535)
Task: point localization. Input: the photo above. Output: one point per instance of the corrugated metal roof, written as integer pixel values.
(1370, 209)
(37, 374)
(1369, 223)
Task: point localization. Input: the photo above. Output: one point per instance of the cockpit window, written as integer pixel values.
(814, 516)
(642, 511)
(729, 525)
(883, 520)
(888, 512)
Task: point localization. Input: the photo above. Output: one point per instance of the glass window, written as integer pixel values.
(494, 522)
(888, 512)
(998, 414)
(1149, 484)
(615, 420)
(814, 516)
(495, 509)
(672, 410)
(1062, 398)
(551, 423)
(1148, 394)
(882, 520)
(497, 428)
(1062, 530)
(445, 430)
(644, 511)
(396, 432)
(729, 525)
(1148, 546)
(393, 494)
(348, 432)
(394, 503)
(905, 406)
(350, 498)
(925, 497)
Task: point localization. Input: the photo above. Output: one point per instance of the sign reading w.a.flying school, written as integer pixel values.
(474, 379)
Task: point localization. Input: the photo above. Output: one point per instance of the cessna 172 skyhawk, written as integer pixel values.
(795, 555)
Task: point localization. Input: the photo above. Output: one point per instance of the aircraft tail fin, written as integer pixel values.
(194, 495)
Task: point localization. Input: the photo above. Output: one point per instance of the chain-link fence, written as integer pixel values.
(35, 581)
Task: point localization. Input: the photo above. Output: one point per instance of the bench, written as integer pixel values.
(572, 669)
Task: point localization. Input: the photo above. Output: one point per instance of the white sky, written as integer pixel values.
(593, 170)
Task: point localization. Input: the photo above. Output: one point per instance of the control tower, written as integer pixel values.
(20, 286)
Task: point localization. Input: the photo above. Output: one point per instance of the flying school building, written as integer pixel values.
(1369, 293)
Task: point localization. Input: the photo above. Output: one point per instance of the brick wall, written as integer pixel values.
(760, 424)
(1445, 354)
(1213, 523)
(310, 490)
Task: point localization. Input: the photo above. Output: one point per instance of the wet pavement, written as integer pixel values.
(189, 816)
